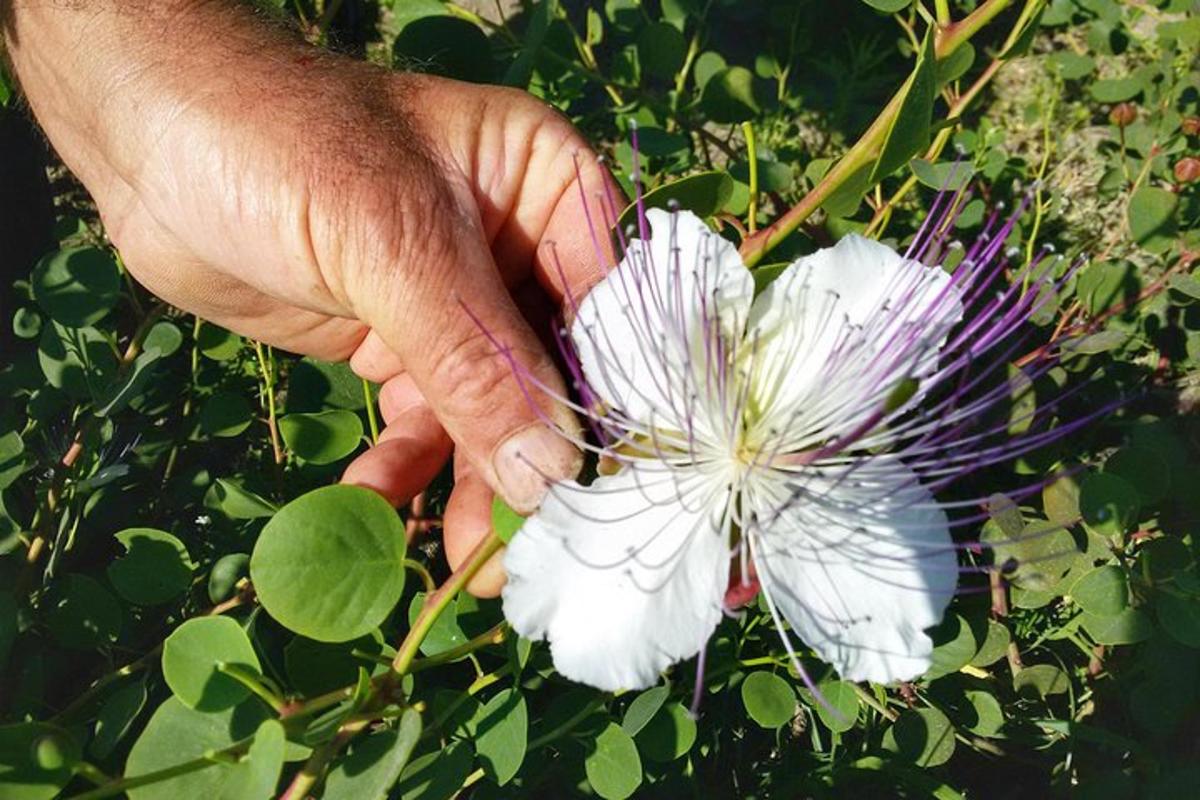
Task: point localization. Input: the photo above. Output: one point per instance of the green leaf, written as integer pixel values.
(1130, 626)
(704, 194)
(1041, 680)
(1093, 343)
(1152, 220)
(226, 572)
(177, 734)
(129, 384)
(438, 775)
(889, 6)
(237, 502)
(445, 633)
(955, 65)
(27, 323)
(728, 96)
(81, 614)
(643, 708)
(613, 767)
(216, 343)
(502, 733)
(446, 46)
(1179, 616)
(769, 699)
(908, 132)
(1103, 592)
(1072, 66)
(12, 459)
(995, 645)
(330, 564)
(1108, 504)
(505, 521)
(668, 735)
(989, 716)
(79, 361)
(954, 646)
(36, 760)
(225, 415)
(78, 286)
(948, 176)
(323, 437)
(192, 654)
(661, 49)
(165, 337)
(1116, 90)
(1144, 469)
(923, 736)
(375, 762)
(156, 567)
(315, 385)
(1060, 500)
(840, 709)
(116, 718)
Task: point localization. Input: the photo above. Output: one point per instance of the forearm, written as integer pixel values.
(106, 78)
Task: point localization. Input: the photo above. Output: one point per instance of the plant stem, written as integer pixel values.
(437, 602)
(495, 635)
(314, 769)
(569, 725)
(248, 679)
(121, 785)
(268, 376)
(372, 419)
(942, 9)
(752, 154)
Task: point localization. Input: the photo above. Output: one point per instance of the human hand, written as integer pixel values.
(333, 209)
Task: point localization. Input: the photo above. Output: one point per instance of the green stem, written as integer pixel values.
(314, 769)
(437, 602)
(251, 681)
(942, 10)
(268, 376)
(426, 578)
(122, 785)
(372, 419)
(495, 635)
(752, 153)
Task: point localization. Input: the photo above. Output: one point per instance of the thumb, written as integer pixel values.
(483, 371)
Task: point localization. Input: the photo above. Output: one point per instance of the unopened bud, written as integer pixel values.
(1187, 170)
(1190, 126)
(1123, 114)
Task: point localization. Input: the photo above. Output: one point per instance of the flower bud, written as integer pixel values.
(1187, 170)
(1123, 114)
(1190, 126)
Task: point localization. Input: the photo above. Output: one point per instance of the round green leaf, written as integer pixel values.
(704, 194)
(668, 735)
(192, 654)
(374, 762)
(948, 176)
(728, 96)
(954, 646)
(769, 699)
(236, 501)
(315, 385)
(995, 645)
(1180, 617)
(155, 568)
(317, 667)
(643, 708)
(1128, 627)
(330, 564)
(840, 709)
(81, 614)
(1041, 680)
(989, 716)
(1116, 90)
(1060, 500)
(165, 337)
(77, 286)
(1152, 218)
(176, 734)
(503, 730)
(438, 775)
(222, 580)
(661, 49)
(1104, 591)
(923, 736)
(36, 760)
(1109, 504)
(225, 414)
(1144, 469)
(77, 360)
(323, 437)
(446, 46)
(217, 343)
(889, 6)
(613, 767)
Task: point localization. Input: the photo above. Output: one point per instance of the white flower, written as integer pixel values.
(770, 438)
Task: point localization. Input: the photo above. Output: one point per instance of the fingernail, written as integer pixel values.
(528, 461)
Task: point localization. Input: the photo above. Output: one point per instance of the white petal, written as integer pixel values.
(838, 331)
(859, 564)
(646, 334)
(623, 577)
